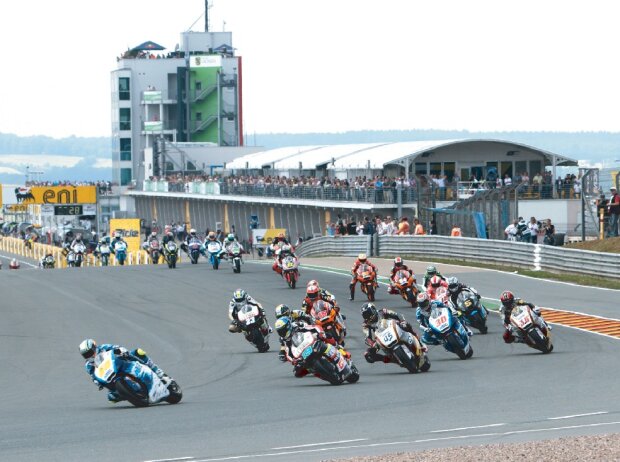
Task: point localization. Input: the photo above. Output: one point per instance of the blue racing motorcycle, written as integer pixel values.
(134, 381)
(448, 329)
(214, 251)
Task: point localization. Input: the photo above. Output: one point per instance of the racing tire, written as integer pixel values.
(327, 371)
(216, 263)
(470, 353)
(370, 293)
(354, 376)
(426, 366)
(483, 329)
(175, 393)
(407, 362)
(127, 391)
(237, 267)
(538, 341)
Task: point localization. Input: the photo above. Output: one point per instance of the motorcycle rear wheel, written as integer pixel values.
(355, 375)
(370, 293)
(175, 393)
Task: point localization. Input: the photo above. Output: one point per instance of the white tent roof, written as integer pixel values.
(385, 154)
(359, 156)
(261, 159)
(309, 160)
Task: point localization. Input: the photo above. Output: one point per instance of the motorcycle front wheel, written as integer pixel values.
(133, 391)
(409, 362)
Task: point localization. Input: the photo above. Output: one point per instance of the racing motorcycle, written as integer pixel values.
(134, 381)
(48, 262)
(234, 256)
(193, 250)
(214, 249)
(441, 295)
(368, 280)
(472, 311)
(104, 253)
(447, 327)
(75, 257)
(154, 251)
(311, 353)
(326, 317)
(250, 321)
(290, 271)
(171, 253)
(406, 284)
(390, 338)
(523, 326)
(120, 252)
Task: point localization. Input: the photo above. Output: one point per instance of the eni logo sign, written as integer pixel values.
(56, 195)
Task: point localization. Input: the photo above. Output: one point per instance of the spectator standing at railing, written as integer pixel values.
(549, 232)
(533, 227)
(403, 227)
(511, 231)
(614, 212)
(418, 229)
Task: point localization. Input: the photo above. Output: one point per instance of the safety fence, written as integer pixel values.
(37, 251)
(495, 252)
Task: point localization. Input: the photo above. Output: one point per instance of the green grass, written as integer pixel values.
(594, 281)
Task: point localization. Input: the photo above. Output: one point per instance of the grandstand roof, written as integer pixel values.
(309, 160)
(364, 156)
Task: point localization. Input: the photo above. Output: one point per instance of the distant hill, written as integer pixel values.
(90, 158)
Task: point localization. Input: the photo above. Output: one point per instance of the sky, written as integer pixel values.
(330, 65)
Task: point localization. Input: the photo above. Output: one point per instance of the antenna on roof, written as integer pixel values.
(206, 15)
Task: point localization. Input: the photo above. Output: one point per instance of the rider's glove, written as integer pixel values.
(426, 329)
(403, 325)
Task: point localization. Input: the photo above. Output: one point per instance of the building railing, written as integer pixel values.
(502, 253)
(384, 195)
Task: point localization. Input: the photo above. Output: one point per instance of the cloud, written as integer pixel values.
(9, 171)
(102, 163)
(40, 161)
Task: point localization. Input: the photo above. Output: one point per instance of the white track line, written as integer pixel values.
(468, 428)
(170, 460)
(577, 415)
(303, 451)
(320, 444)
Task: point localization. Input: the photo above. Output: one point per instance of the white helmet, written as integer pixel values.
(192, 231)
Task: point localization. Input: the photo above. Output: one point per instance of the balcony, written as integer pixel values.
(158, 97)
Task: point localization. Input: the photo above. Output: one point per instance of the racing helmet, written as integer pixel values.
(240, 295)
(424, 302)
(284, 327)
(117, 235)
(453, 284)
(431, 270)
(312, 292)
(192, 232)
(313, 282)
(507, 298)
(88, 348)
(211, 236)
(231, 237)
(370, 313)
(282, 310)
(281, 235)
(398, 262)
(153, 234)
(362, 257)
(435, 281)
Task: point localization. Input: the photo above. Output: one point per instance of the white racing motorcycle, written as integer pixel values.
(390, 337)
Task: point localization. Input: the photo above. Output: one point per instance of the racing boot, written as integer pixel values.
(282, 354)
(234, 328)
(352, 289)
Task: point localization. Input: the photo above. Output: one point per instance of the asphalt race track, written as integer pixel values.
(239, 404)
